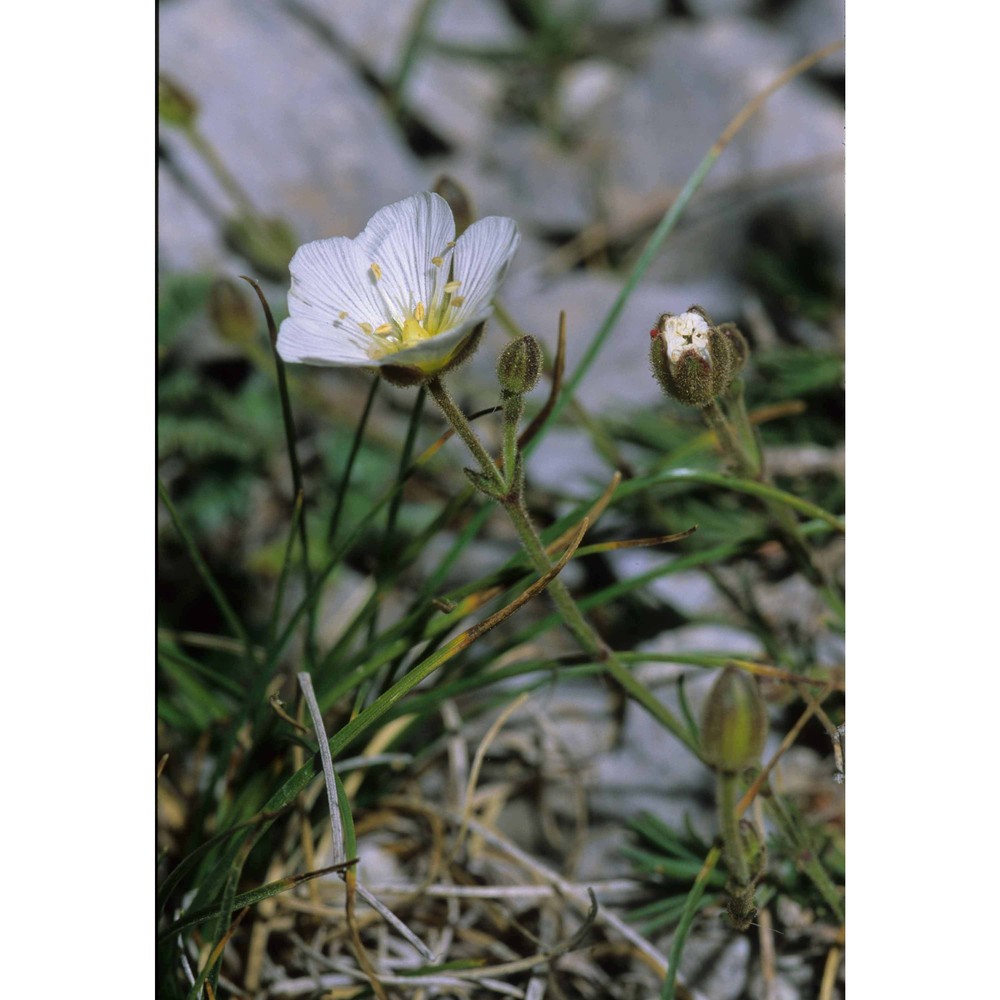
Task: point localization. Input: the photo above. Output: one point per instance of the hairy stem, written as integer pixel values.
(512, 500)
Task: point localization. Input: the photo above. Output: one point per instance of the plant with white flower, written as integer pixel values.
(405, 298)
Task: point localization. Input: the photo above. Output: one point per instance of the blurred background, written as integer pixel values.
(291, 120)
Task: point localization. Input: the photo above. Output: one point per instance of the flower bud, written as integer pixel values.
(231, 313)
(175, 106)
(268, 244)
(733, 723)
(458, 201)
(693, 360)
(520, 366)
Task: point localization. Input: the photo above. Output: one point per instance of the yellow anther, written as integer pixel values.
(457, 301)
(437, 261)
(376, 270)
(452, 286)
(450, 244)
(342, 315)
(384, 328)
(367, 327)
(418, 313)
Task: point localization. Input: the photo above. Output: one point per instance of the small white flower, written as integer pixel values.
(403, 293)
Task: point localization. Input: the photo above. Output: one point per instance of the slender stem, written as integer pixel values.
(734, 447)
(729, 440)
(222, 174)
(464, 430)
(746, 430)
(729, 824)
(513, 503)
(513, 407)
(331, 531)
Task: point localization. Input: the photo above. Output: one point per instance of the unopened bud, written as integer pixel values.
(176, 106)
(231, 312)
(268, 244)
(458, 201)
(520, 366)
(693, 360)
(733, 723)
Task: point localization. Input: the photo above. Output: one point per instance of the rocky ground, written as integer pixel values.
(585, 148)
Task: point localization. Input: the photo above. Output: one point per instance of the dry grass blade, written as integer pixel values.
(637, 543)
(477, 764)
(829, 974)
(351, 882)
(277, 706)
(790, 737)
(598, 508)
(777, 674)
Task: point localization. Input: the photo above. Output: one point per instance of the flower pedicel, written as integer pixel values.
(404, 298)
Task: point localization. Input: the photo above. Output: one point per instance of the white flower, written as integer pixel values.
(404, 293)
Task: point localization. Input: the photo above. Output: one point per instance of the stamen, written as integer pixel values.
(367, 327)
(376, 270)
(418, 312)
(384, 328)
(452, 286)
(437, 261)
(450, 244)
(457, 301)
(342, 315)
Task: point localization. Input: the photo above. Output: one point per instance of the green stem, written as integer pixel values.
(331, 531)
(513, 407)
(734, 447)
(687, 918)
(513, 503)
(729, 440)
(463, 429)
(222, 174)
(729, 824)
(745, 429)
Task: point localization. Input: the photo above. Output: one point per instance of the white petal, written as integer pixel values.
(482, 255)
(434, 349)
(402, 238)
(329, 278)
(315, 342)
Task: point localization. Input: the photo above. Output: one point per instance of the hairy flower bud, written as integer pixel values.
(520, 366)
(175, 106)
(733, 723)
(231, 312)
(693, 360)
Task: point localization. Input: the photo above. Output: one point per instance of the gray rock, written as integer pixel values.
(693, 80)
(716, 960)
(813, 24)
(690, 592)
(292, 122)
(584, 87)
(620, 380)
(551, 189)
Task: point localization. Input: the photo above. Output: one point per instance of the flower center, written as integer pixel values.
(684, 333)
(410, 326)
